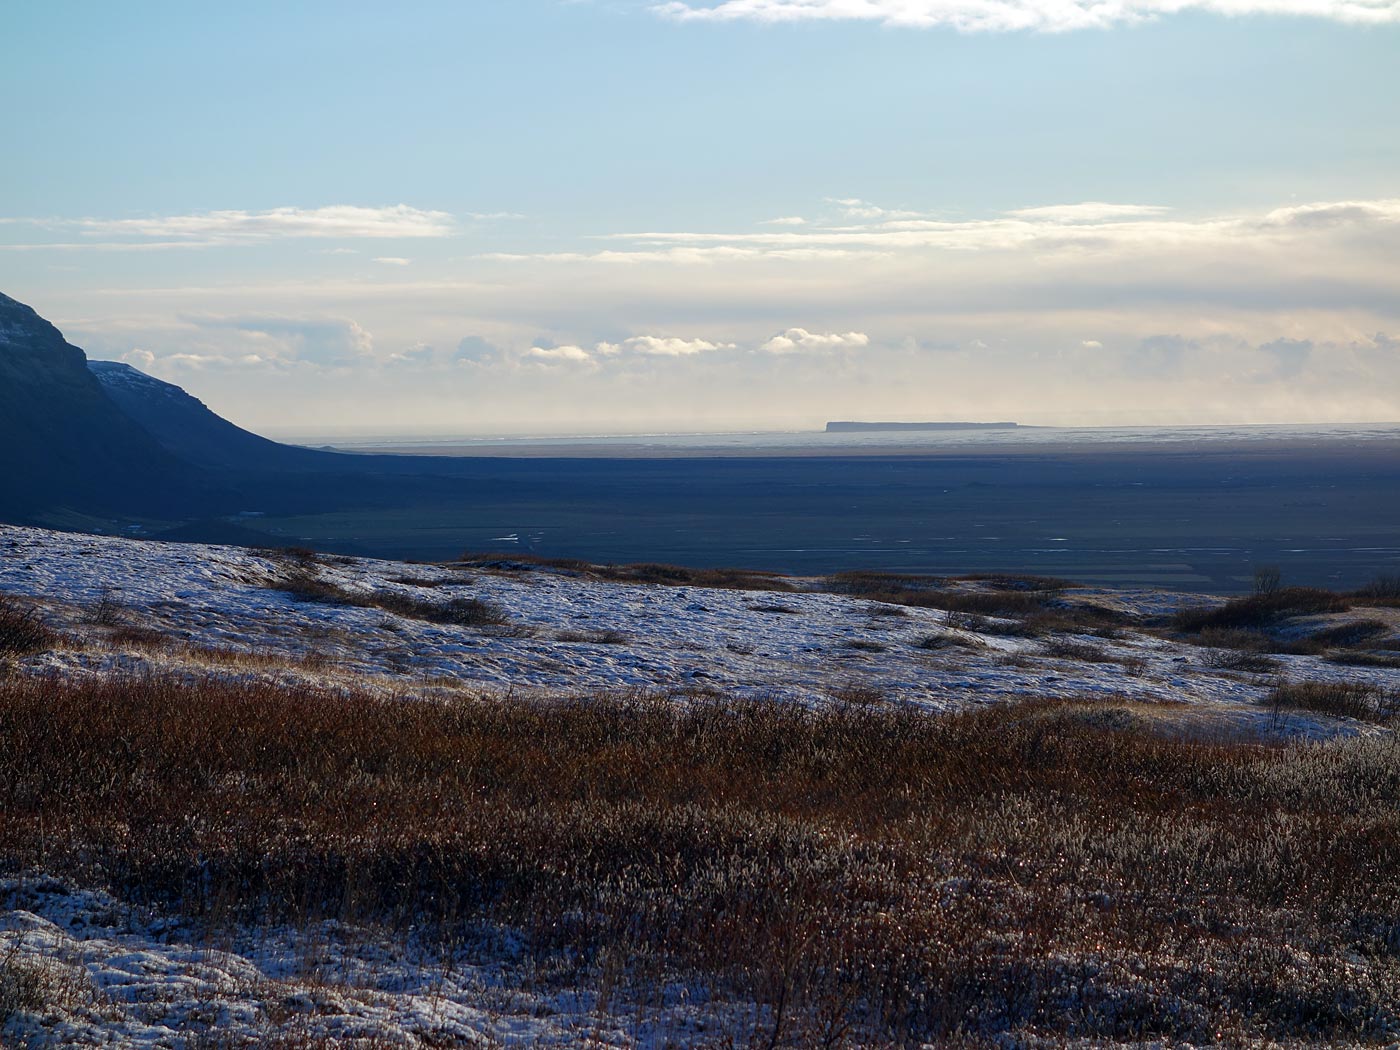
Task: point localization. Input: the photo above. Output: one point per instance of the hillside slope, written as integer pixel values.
(63, 442)
(187, 428)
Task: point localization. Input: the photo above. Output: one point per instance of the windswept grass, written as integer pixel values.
(866, 870)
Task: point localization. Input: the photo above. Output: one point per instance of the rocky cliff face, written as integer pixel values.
(64, 444)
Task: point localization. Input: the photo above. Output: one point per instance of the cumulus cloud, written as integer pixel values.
(785, 220)
(1010, 15)
(657, 346)
(557, 355)
(797, 340)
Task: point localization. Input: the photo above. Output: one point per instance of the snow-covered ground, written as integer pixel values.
(114, 975)
(802, 645)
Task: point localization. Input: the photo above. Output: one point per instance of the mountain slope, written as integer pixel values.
(64, 444)
(186, 427)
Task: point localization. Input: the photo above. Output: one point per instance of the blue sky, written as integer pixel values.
(553, 216)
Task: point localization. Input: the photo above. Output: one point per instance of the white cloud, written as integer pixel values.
(855, 208)
(143, 360)
(797, 340)
(656, 346)
(1089, 211)
(1091, 344)
(392, 260)
(1010, 15)
(418, 356)
(558, 355)
(1336, 213)
(336, 220)
(786, 220)
(1091, 226)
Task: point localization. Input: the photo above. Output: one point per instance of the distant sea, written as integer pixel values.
(819, 442)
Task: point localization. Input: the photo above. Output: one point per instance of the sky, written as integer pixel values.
(613, 216)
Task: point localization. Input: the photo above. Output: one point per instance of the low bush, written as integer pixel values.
(681, 576)
(1069, 649)
(1365, 658)
(462, 612)
(639, 572)
(308, 586)
(22, 629)
(1018, 582)
(1241, 660)
(508, 561)
(1348, 635)
(108, 610)
(1383, 590)
(865, 646)
(22, 986)
(1256, 611)
(1338, 699)
(600, 637)
(948, 641)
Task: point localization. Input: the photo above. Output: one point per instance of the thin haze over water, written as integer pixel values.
(818, 442)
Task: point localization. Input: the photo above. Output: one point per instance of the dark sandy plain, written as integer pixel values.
(1189, 513)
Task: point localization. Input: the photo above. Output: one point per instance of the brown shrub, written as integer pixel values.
(1339, 699)
(639, 572)
(1019, 581)
(307, 585)
(599, 637)
(1069, 649)
(1259, 611)
(22, 629)
(1383, 590)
